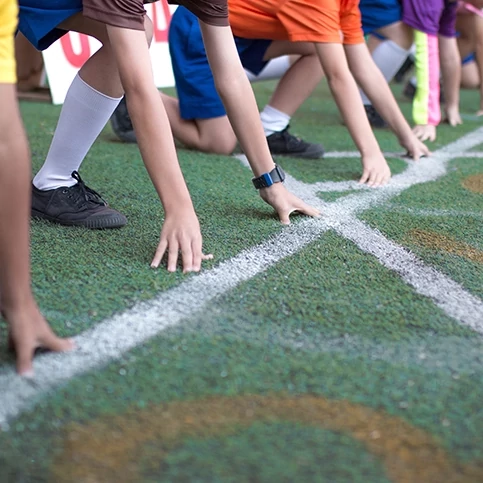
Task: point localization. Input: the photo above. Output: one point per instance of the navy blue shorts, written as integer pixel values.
(38, 19)
(198, 98)
(377, 14)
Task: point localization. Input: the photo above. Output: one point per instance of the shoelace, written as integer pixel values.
(81, 192)
(291, 140)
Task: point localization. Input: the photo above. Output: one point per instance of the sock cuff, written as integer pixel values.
(272, 112)
(90, 92)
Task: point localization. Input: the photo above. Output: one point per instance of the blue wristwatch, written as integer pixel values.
(277, 175)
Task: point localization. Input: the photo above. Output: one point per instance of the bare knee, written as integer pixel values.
(223, 143)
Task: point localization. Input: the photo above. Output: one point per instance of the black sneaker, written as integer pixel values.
(77, 205)
(375, 119)
(121, 123)
(286, 144)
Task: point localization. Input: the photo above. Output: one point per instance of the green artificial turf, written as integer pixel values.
(329, 321)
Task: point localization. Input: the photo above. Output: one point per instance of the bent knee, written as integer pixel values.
(223, 143)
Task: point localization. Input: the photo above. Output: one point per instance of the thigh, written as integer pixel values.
(284, 47)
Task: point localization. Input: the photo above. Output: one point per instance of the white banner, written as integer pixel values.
(66, 56)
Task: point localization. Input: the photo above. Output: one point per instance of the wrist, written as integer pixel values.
(266, 180)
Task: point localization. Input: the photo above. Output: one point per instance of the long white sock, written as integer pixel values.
(389, 57)
(84, 114)
(273, 120)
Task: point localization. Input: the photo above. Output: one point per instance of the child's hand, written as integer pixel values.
(479, 112)
(375, 172)
(425, 132)
(414, 147)
(453, 117)
(286, 203)
(181, 234)
(28, 331)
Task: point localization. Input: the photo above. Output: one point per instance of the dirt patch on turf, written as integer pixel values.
(108, 449)
(474, 183)
(429, 239)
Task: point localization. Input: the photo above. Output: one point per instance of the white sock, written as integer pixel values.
(273, 120)
(84, 114)
(389, 57)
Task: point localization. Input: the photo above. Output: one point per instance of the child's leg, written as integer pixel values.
(92, 98)
(390, 54)
(298, 82)
(212, 135)
(90, 102)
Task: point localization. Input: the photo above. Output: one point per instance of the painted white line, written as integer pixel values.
(445, 293)
(111, 338)
(472, 154)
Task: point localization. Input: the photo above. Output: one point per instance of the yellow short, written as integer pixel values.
(8, 25)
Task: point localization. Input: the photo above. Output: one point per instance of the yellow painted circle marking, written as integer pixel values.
(436, 241)
(108, 449)
(474, 183)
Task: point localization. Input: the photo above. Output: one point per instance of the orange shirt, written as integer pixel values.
(324, 21)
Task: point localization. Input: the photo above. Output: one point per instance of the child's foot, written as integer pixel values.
(29, 331)
(376, 172)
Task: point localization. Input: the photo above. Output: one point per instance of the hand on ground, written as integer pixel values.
(29, 331)
(286, 203)
(375, 172)
(181, 234)
(453, 117)
(425, 132)
(416, 149)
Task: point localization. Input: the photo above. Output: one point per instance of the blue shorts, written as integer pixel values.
(198, 98)
(377, 14)
(469, 58)
(38, 19)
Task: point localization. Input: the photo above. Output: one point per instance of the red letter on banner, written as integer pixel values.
(76, 60)
(161, 31)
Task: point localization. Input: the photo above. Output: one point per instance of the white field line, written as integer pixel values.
(118, 334)
(474, 154)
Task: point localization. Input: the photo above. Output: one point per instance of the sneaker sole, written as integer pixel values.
(95, 224)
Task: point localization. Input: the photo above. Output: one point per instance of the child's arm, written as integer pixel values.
(451, 77)
(181, 230)
(373, 83)
(237, 95)
(346, 94)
